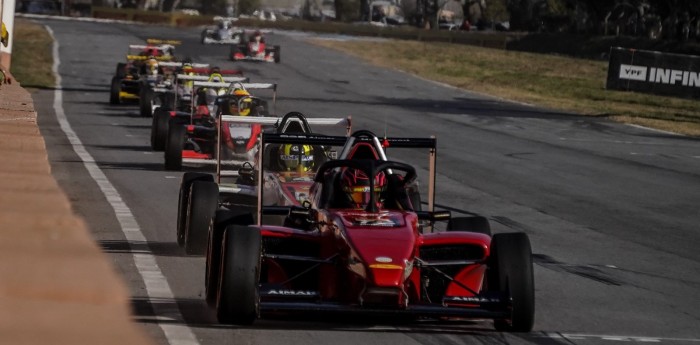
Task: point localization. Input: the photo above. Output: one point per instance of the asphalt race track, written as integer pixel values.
(612, 211)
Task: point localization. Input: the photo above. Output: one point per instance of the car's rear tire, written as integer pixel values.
(168, 101)
(182, 203)
(278, 58)
(237, 300)
(476, 224)
(202, 203)
(159, 129)
(114, 90)
(173, 146)
(222, 219)
(145, 101)
(510, 272)
(120, 72)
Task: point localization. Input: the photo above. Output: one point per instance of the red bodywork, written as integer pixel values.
(372, 252)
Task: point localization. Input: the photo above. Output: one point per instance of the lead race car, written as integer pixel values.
(357, 247)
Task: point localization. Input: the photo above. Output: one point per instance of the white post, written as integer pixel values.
(8, 18)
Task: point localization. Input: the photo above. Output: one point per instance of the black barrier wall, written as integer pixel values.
(654, 72)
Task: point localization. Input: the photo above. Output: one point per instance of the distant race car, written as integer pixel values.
(196, 143)
(177, 100)
(255, 50)
(224, 32)
(356, 246)
(141, 66)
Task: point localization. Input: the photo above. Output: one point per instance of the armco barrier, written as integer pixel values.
(56, 286)
(654, 72)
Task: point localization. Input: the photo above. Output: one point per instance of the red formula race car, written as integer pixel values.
(196, 143)
(288, 173)
(358, 246)
(255, 50)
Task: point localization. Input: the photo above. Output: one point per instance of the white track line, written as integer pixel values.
(157, 288)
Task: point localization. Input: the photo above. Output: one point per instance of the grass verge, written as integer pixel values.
(32, 57)
(556, 82)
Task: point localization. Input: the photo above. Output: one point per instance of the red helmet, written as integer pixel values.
(356, 186)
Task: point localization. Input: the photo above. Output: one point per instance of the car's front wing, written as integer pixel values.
(437, 311)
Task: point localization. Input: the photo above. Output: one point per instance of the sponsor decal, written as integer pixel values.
(471, 299)
(633, 72)
(282, 292)
(383, 259)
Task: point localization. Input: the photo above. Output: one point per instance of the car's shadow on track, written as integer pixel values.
(142, 148)
(132, 166)
(170, 249)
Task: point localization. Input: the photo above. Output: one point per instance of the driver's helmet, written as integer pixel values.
(297, 157)
(239, 91)
(240, 106)
(215, 75)
(355, 185)
(223, 25)
(257, 36)
(152, 64)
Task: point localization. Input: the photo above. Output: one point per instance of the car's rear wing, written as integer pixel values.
(164, 42)
(144, 57)
(173, 64)
(318, 121)
(227, 19)
(347, 143)
(205, 78)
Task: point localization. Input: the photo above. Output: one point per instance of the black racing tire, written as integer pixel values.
(114, 90)
(238, 300)
(278, 58)
(183, 198)
(168, 101)
(476, 224)
(145, 100)
(222, 219)
(120, 72)
(173, 146)
(159, 129)
(203, 36)
(202, 203)
(511, 273)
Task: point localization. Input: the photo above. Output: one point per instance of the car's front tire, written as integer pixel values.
(511, 273)
(238, 300)
(202, 203)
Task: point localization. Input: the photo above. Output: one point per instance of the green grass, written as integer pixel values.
(556, 82)
(32, 57)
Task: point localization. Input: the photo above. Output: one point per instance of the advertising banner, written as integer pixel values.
(654, 72)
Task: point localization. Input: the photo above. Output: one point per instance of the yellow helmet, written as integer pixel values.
(240, 92)
(245, 106)
(297, 157)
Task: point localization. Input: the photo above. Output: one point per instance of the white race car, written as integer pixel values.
(223, 32)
